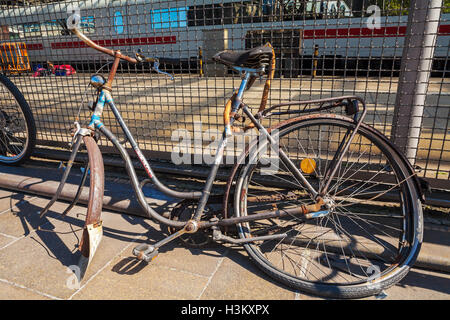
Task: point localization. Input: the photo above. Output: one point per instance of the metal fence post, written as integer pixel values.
(417, 60)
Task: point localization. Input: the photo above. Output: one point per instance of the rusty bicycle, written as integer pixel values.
(315, 223)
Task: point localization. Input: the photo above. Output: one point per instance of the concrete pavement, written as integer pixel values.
(36, 256)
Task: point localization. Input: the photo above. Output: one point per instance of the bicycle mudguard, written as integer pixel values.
(228, 195)
(92, 231)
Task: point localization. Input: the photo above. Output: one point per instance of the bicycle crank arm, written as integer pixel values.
(76, 146)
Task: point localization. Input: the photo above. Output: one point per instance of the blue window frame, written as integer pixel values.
(118, 22)
(169, 18)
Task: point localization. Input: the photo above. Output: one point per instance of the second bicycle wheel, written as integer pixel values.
(17, 127)
(372, 231)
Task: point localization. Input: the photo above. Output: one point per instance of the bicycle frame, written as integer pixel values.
(232, 107)
(203, 196)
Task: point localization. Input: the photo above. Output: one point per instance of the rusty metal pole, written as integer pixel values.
(417, 60)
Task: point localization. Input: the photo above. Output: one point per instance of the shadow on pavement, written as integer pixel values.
(426, 281)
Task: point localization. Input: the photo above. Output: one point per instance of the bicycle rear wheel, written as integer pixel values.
(17, 126)
(362, 245)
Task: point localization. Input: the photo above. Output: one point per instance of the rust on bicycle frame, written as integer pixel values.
(227, 111)
(266, 90)
(112, 72)
(301, 210)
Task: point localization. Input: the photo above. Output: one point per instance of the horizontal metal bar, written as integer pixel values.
(437, 197)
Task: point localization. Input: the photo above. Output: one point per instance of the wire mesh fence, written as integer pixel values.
(323, 49)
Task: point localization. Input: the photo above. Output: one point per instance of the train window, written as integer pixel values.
(212, 14)
(255, 11)
(118, 22)
(32, 29)
(24, 30)
(54, 27)
(169, 18)
(87, 24)
(15, 32)
(267, 6)
(51, 28)
(333, 10)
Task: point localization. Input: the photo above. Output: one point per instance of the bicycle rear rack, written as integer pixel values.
(350, 103)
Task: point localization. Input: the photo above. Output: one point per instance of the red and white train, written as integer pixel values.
(177, 28)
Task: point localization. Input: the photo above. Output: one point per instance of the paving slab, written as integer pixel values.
(42, 258)
(36, 256)
(5, 240)
(420, 284)
(11, 291)
(10, 199)
(20, 220)
(196, 261)
(237, 278)
(125, 278)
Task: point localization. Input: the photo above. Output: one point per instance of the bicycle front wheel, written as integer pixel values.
(17, 126)
(370, 235)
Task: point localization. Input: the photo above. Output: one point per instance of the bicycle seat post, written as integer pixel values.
(237, 101)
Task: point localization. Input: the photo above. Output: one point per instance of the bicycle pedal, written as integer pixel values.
(145, 252)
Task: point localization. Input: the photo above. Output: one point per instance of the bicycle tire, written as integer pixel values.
(24, 142)
(409, 205)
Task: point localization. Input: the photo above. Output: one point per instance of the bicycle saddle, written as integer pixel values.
(253, 58)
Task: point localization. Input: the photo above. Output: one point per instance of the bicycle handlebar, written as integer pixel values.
(140, 57)
(97, 47)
